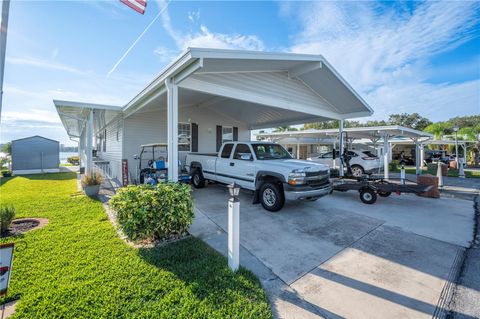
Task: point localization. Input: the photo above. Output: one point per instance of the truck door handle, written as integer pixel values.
(232, 164)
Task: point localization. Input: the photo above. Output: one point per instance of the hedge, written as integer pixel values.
(146, 212)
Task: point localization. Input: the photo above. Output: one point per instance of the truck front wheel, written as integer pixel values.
(271, 196)
(198, 180)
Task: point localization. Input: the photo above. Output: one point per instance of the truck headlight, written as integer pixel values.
(296, 178)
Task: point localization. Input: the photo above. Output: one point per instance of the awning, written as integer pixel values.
(74, 115)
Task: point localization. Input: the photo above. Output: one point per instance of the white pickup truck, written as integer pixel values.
(263, 167)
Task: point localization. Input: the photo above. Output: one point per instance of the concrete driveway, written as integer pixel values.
(340, 258)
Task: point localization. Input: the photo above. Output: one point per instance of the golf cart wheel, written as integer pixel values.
(384, 194)
(368, 196)
(198, 180)
(271, 197)
(357, 171)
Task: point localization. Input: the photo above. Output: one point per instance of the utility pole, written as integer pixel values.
(3, 46)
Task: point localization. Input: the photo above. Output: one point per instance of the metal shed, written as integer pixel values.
(35, 154)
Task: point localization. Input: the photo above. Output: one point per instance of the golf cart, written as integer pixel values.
(152, 167)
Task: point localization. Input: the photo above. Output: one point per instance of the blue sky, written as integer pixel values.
(400, 56)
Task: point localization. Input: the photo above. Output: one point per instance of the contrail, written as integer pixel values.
(138, 39)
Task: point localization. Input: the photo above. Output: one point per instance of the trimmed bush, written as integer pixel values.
(393, 165)
(7, 214)
(6, 173)
(147, 212)
(74, 160)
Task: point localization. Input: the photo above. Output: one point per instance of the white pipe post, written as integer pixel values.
(298, 150)
(88, 148)
(340, 145)
(417, 157)
(172, 133)
(233, 233)
(386, 145)
(461, 172)
(439, 174)
(422, 154)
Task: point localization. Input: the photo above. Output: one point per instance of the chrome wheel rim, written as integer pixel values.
(357, 171)
(269, 197)
(196, 179)
(367, 196)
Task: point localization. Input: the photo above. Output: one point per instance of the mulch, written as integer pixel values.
(23, 225)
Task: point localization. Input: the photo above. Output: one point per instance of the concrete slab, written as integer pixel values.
(338, 257)
(428, 217)
(387, 274)
(293, 241)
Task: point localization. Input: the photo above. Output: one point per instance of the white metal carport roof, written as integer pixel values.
(371, 133)
(259, 89)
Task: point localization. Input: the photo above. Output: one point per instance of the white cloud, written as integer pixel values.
(29, 61)
(207, 39)
(384, 51)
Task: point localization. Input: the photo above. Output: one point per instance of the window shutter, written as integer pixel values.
(219, 137)
(235, 133)
(194, 137)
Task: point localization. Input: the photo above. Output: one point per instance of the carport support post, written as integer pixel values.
(88, 147)
(172, 133)
(340, 145)
(417, 157)
(386, 150)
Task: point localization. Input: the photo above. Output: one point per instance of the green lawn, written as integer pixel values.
(451, 172)
(77, 267)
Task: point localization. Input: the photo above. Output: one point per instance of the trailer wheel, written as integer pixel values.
(368, 196)
(384, 194)
(271, 197)
(198, 180)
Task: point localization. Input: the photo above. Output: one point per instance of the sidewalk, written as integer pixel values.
(462, 188)
(465, 303)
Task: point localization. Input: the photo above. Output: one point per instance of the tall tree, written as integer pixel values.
(414, 120)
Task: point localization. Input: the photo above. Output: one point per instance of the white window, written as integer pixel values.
(227, 134)
(184, 136)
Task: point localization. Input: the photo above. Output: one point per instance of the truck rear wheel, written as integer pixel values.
(271, 197)
(198, 180)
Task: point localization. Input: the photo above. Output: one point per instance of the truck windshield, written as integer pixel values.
(270, 151)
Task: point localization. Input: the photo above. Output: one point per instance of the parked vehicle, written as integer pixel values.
(361, 161)
(265, 168)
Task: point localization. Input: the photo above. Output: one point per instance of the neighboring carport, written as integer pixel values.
(377, 135)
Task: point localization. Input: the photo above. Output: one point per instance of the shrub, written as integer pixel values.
(95, 178)
(74, 160)
(6, 173)
(147, 212)
(393, 165)
(7, 214)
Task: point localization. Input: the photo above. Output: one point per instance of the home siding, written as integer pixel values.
(151, 127)
(113, 152)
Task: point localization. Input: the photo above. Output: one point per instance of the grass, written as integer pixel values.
(66, 164)
(77, 267)
(451, 172)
